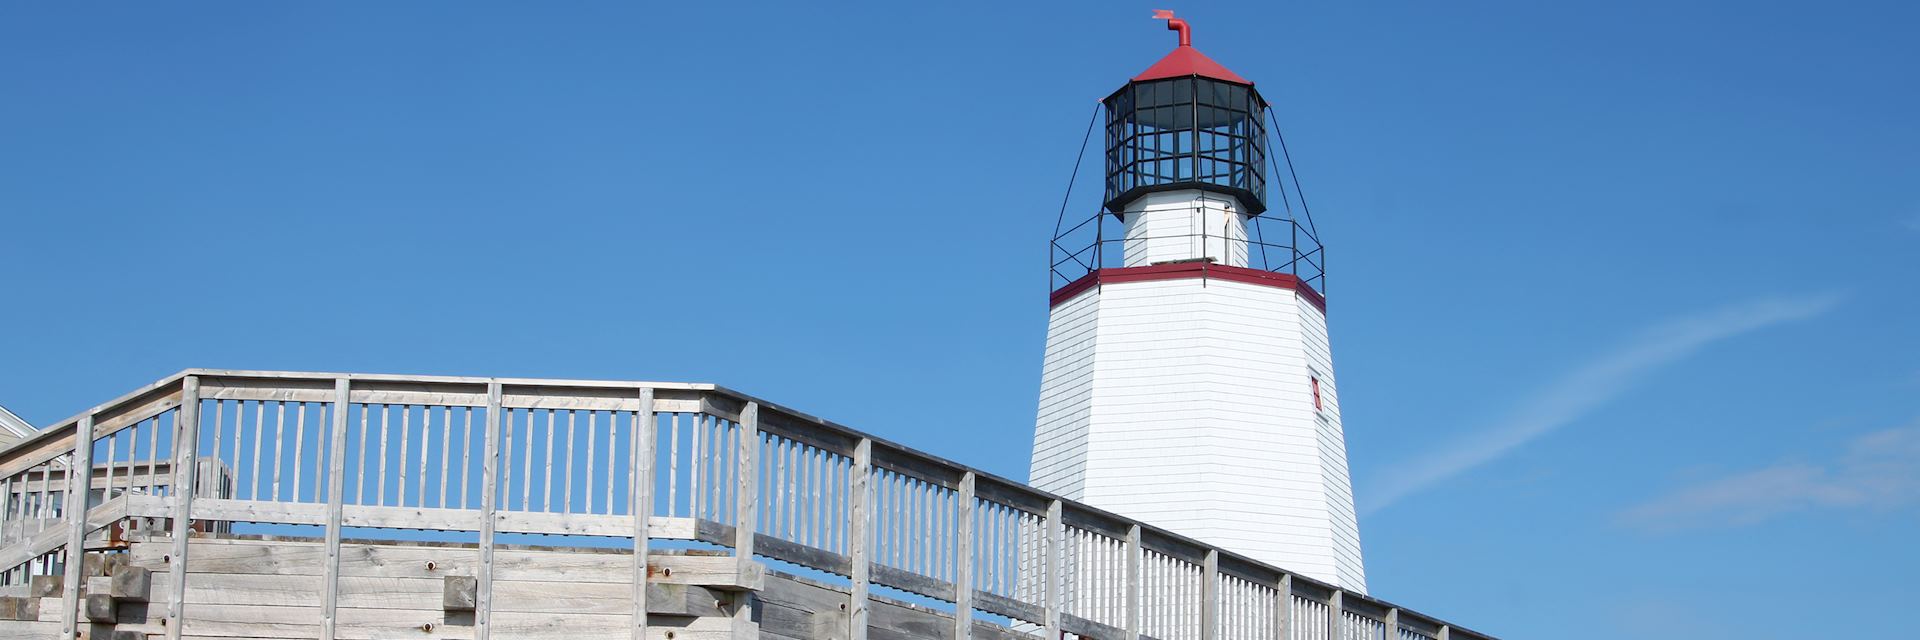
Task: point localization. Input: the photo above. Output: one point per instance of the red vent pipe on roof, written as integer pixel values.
(1175, 24)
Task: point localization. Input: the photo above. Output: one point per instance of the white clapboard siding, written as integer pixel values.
(1064, 391)
(1188, 404)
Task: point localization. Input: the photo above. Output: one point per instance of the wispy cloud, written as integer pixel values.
(1880, 470)
(1589, 386)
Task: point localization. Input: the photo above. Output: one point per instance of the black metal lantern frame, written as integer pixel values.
(1185, 133)
(1190, 132)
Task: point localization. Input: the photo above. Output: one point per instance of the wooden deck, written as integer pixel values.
(253, 586)
(409, 494)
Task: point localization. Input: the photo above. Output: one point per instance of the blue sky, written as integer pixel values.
(1622, 294)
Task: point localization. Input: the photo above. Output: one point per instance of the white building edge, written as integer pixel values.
(13, 429)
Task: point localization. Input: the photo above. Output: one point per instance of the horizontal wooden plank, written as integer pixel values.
(212, 620)
(57, 441)
(25, 630)
(912, 582)
(55, 537)
(417, 518)
(1009, 607)
(306, 558)
(425, 594)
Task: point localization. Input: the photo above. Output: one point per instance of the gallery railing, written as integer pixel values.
(1265, 242)
(573, 459)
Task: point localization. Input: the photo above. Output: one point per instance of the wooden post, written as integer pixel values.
(336, 500)
(859, 536)
(1336, 616)
(746, 519)
(1210, 595)
(1393, 624)
(79, 493)
(490, 468)
(642, 510)
(186, 459)
(963, 560)
(1052, 572)
(1134, 557)
(1446, 632)
(1283, 609)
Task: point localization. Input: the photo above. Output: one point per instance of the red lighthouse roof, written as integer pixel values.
(1186, 60)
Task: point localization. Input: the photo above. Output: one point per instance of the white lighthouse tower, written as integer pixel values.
(1188, 379)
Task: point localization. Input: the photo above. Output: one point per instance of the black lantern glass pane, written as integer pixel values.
(1187, 132)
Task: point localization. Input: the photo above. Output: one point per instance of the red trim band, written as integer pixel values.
(1184, 270)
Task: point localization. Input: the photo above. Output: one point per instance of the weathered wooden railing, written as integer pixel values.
(639, 461)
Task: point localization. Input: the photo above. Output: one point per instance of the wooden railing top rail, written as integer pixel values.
(107, 418)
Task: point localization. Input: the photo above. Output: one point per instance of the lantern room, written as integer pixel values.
(1186, 123)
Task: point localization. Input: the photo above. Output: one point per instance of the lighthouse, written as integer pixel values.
(1188, 380)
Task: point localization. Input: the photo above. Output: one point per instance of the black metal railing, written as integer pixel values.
(1278, 245)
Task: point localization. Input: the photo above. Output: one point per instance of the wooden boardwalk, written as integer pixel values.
(401, 506)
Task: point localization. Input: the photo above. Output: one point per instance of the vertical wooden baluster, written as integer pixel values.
(259, 434)
(336, 506)
(133, 442)
(613, 432)
(526, 462)
(699, 451)
(546, 484)
(717, 469)
(922, 544)
(673, 463)
(360, 451)
(566, 501)
(153, 456)
(882, 518)
(446, 451)
(897, 485)
(902, 522)
(644, 423)
(860, 490)
(788, 494)
(105, 494)
(489, 491)
(929, 531)
(816, 502)
(400, 465)
(420, 478)
(299, 450)
(796, 479)
(219, 427)
(592, 418)
(185, 459)
(506, 460)
(779, 488)
(380, 463)
(904, 533)
(466, 445)
(821, 502)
